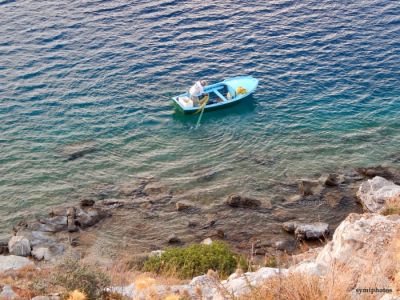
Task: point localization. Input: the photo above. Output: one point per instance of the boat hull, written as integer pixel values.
(208, 109)
(233, 85)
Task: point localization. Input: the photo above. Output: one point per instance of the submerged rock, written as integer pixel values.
(333, 198)
(173, 239)
(192, 224)
(330, 180)
(3, 247)
(90, 216)
(376, 171)
(181, 206)
(19, 245)
(310, 187)
(235, 200)
(374, 193)
(80, 153)
(87, 202)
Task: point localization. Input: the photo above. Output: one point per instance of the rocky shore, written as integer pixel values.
(351, 224)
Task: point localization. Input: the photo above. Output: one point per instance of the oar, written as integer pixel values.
(202, 110)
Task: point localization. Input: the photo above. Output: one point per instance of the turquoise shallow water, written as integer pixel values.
(98, 75)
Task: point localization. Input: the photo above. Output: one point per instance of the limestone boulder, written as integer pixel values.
(40, 253)
(374, 193)
(12, 262)
(358, 238)
(307, 231)
(238, 285)
(312, 231)
(19, 245)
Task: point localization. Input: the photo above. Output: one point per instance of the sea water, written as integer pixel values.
(85, 91)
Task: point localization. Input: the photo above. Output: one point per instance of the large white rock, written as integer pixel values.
(307, 231)
(317, 230)
(41, 253)
(240, 285)
(12, 262)
(207, 287)
(19, 245)
(373, 193)
(309, 268)
(357, 238)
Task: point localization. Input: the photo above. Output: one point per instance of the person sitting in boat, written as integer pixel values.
(196, 91)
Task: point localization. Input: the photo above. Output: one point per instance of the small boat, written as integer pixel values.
(218, 95)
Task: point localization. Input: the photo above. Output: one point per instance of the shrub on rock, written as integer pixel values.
(391, 207)
(195, 260)
(73, 275)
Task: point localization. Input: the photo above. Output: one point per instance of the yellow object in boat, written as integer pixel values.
(203, 103)
(241, 90)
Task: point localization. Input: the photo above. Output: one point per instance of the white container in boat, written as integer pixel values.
(186, 102)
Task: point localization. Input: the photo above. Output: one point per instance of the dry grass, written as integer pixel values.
(392, 207)
(297, 287)
(340, 282)
(76, 295)
(23, 281)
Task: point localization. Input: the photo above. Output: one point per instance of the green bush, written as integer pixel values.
(73, 275)
(195, 260)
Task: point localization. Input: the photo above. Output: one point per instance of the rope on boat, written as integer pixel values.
(203, 105)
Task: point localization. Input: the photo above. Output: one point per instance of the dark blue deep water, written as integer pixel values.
(96, 76)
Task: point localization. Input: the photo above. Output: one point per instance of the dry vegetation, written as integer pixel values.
(77, 281)
(392, 207)
(340, 282)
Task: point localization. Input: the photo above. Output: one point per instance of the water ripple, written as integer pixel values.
(101, 71)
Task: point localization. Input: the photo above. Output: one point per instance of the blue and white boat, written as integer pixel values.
(219, 95)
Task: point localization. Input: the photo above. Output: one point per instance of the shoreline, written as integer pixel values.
(78, 231)
(330, 198)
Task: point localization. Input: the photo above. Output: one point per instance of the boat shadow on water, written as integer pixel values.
(240, 109)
